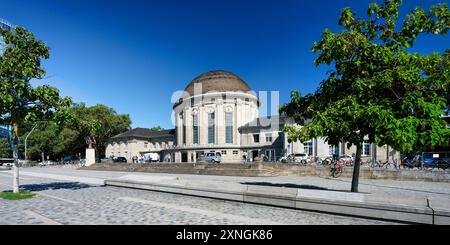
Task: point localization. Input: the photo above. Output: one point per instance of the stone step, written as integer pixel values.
(201, 169)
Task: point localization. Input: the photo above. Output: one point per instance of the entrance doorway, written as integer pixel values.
(255, 154)
(184, 157)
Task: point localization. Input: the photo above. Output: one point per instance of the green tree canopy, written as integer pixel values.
(5, 148)
(376, 87)
(20, 102)
(156, 128)
(100, 123)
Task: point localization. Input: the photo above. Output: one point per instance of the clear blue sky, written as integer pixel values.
(132, 55)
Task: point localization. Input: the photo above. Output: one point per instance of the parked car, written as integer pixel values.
(441, 161)
(6, 164)
(46, 163)
(300, 158)
(69, 159)
(213, 157)
(119, 159)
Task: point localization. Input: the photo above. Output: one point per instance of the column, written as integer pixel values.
(220, 122)
(188, 121)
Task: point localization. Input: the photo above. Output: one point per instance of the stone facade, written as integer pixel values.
(140, 141)
(219, 113)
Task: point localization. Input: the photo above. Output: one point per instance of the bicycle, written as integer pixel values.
(392, 164)
(327, 161)
(336, 168)
(367, 162)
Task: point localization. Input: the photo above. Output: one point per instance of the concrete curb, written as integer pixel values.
(354, 204)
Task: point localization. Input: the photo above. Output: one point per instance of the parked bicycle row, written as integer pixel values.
(405, 162)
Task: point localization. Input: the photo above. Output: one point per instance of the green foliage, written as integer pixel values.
(20, 102)
(377, 88)
(156, 128)
(63, 127)
(5, 149)
(99, 122)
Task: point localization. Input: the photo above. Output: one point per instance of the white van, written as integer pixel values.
(213, 157)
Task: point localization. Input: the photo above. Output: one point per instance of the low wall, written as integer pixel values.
(250, 170)
(365, 173)
(271, 169)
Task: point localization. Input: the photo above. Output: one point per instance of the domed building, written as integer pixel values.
(219, 114)
(209, 114)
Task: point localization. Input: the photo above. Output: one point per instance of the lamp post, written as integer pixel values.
(26, 145)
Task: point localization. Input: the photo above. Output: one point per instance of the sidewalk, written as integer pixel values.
(421, 207)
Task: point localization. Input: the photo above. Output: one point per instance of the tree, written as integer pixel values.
(42, 139)
(20, 102)
(59, 140)
(100, 123)
(5, 148)
(156, 128)
(377, 89)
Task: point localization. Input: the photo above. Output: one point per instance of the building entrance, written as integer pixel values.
(184, 157)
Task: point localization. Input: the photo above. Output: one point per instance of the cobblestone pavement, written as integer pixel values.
(74, 203)
(388, 188)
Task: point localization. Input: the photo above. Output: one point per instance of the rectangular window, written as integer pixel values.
(269, 138)
(224, 152)
(195, 129)
(256, 138)
(184, 133)
(334, 150)
(145, 145)
(308, 147)
(366, 148)
(229, 127)
(235, 152)
(211, 129)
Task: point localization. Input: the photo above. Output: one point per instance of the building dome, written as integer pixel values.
(218, 81)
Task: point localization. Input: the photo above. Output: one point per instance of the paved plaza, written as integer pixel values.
(69, 196)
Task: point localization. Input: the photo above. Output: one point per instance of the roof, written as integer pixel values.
(145, 133)
(218, 81)
(274, 121)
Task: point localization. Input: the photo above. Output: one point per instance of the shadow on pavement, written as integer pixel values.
(289, 185)
(55, 186)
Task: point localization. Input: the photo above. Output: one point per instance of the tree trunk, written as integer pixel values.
(356, 168)
(15, 143)
(43, 157)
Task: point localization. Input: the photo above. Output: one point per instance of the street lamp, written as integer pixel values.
(26, 145)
